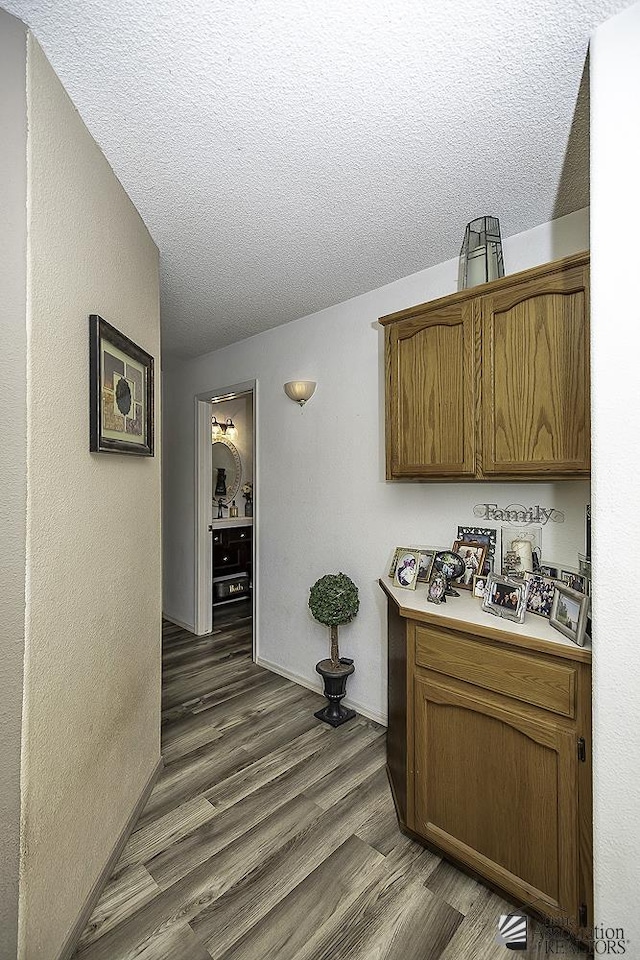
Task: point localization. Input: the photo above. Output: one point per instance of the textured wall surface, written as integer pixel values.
(92, 665)
(615, 93)
(288, 156)
(322, 502)
(13, 457)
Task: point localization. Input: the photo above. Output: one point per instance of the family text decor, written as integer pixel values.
(517, 513)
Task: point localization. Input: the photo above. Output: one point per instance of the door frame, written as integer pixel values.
(203, 618)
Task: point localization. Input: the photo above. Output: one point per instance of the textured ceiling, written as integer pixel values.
(290, 154)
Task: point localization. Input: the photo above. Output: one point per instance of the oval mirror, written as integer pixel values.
(227, 470)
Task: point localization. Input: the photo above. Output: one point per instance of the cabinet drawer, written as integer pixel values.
(533, 680)
(241, 535)
(225, 557)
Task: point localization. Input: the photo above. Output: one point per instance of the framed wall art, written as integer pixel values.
(120, 392)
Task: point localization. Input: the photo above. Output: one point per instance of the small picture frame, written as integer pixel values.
(406, 572)
(473, 555)
(547, 571)
(479, 587)
(437, 589)
(584, 565)
(394, 560)
(587, 531)
(540, 594)
(577, 581)
(505, 598)
(120, 392)
(569, 613)
(426, 563)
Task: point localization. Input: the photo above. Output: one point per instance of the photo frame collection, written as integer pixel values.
(558, 594)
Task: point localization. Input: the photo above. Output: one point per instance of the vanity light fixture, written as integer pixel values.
(227, 429)
(300, 390)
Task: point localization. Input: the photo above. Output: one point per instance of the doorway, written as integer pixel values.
(225, 518)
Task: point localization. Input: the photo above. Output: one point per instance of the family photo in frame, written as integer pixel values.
(473, 556)
(505, 598)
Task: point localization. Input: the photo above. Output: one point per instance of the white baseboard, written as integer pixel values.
(179, 623)
(317, 688)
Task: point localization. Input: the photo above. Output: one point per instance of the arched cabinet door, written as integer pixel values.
(496, 788)
(432, 393)
(535, 376)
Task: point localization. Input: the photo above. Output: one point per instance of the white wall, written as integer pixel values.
(13, 457)
(92, 664)
(615, 163)
(323, 502)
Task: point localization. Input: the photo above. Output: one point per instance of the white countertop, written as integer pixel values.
(232, 522)
(468, 610)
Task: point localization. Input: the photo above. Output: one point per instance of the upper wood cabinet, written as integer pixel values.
(432, 399)
(493, 382)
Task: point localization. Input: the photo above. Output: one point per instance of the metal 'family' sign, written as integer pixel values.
(517, 513)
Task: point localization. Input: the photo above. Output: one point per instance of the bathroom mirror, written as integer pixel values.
(225, 457)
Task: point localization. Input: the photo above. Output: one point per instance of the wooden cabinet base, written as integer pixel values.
(581, 935)
(488, 759)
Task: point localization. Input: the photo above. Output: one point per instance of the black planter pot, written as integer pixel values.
(335, 689)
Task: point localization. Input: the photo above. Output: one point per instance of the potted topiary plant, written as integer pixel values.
(333, 600)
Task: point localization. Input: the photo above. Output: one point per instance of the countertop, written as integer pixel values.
(465, 613)
(232, 522)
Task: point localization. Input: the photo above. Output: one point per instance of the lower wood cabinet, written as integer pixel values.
(488, 757)
(498, 790)
(232, 563)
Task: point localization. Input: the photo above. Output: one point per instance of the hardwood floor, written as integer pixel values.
(272, 836)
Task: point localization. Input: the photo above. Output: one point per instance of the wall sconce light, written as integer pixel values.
(300, 390)
(227, 429)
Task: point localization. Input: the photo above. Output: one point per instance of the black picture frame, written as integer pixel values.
(137, 393)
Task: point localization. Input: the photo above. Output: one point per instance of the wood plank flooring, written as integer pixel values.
(271, 836)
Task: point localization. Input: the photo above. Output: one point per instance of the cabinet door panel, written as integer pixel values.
(498, 791)
(432, 393)
(535, 356)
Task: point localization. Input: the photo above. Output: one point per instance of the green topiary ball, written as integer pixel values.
(333, 599)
